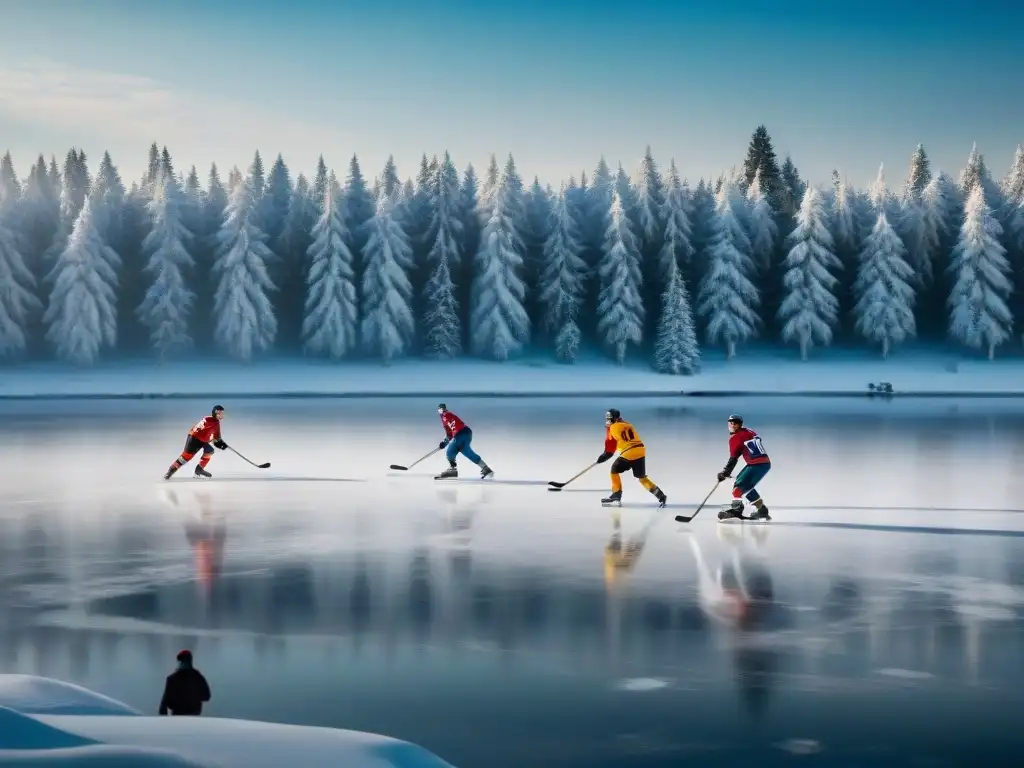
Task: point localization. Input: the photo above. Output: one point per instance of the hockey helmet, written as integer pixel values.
(612, 416)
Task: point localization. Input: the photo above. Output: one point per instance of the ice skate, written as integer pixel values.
(448, 473)
(485, 471)
(200, 472)
(615, 498)
(760, 513)
(732, 512)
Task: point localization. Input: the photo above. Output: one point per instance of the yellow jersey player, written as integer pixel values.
(622, 436)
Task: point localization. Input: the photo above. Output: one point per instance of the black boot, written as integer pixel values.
(735, 511)
(760, 513)
(615, 498)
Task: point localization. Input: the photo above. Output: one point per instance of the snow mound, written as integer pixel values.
(97, 756)
(49, 722)
(248, 744)
(19, 731)
(31, 695)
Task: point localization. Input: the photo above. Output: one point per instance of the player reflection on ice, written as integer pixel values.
(206, 534)
(739, 598)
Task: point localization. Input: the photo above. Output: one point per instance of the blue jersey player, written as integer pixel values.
(745, 442)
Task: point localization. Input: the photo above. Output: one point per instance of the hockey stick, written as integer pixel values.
(258, 466)
(685, 519)
(559, 486)
(424, 458)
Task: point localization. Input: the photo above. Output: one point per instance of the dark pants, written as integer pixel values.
(460, 444)
(750, 476)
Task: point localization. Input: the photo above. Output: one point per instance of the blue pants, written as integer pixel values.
(749, 476)
(460, 444)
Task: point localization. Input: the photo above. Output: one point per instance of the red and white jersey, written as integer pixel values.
(745, 442)
(452, 424)
(206, 429)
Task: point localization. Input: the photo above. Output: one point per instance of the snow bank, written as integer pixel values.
(753, 373)
(32, 695)
(98, 756)
(87, 735)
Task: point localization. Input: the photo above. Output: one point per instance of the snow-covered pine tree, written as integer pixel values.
(18, 302)
(234, 179)
(442, 330)
(980, 317)
(244, 321)
(809, 310)
(561, 284)
(677, 243)
(676, 350)
(881, 200)
(499, 325)
(359, 207)
(168, 302)
(488, 189)
(650, 204)
(976, 172)
(885, 295)
(793, 188)
(1012, 213)
(599, 203)
(761, 157)
(387, 321)
(390, 184)
(82, 313)
(320, 181)
(761, 224)
(10, 187)
(620, 308)
(727, 299)
(277, 199)
(108, 202)
(194, 196)
(331, 320)
(152, 170)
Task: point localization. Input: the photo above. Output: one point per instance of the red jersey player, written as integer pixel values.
(745, 442)
(204, 434)
(457, 437)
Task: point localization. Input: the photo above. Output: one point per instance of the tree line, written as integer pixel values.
(451, 264)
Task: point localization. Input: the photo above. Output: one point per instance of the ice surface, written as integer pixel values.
(479, 618)
(752, 372)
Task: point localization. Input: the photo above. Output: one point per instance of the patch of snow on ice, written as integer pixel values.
(800, 746)
(641, 684)
(905, 674)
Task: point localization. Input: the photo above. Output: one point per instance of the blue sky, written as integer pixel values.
(557, 83)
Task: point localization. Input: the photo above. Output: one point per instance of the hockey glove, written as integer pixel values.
(220, 444)
(722, 476)
(604, 457)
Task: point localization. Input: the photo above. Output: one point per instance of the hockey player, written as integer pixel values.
(621, 436)
(457, 439)
(745, 442)
(204, 435)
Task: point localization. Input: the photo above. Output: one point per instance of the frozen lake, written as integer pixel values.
(877, 619)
